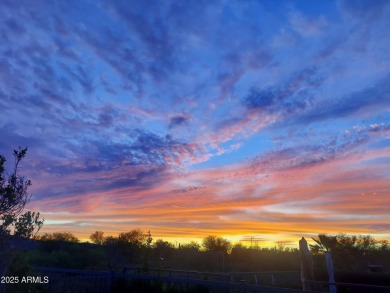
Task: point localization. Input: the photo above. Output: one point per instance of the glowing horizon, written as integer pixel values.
(268, 119)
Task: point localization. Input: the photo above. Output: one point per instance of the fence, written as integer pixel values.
(284, 279)
(70, 280)
(350, 287)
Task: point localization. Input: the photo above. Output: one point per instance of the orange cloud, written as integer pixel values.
(343, 195)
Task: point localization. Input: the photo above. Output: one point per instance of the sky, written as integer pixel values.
(266, 119)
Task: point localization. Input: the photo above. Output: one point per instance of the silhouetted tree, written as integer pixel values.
(28, 224)
(59, 236)
(349, 251)
(343, 243)
(149, 239)
(215, 243)
(13, 198)
(191, 245)
(110, 240)
(383, 245)
(160, 243)
(325, 243)
(135, 237)
(13, 187)
(97, 237)
(163, 248)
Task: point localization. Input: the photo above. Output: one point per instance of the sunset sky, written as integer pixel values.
(267, 119)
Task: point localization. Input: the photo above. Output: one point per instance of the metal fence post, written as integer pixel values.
(243, 284)
(109, 283)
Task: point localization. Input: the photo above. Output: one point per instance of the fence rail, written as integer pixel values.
(65, 277)
(285, 279)
(72, 280)
(351, 286)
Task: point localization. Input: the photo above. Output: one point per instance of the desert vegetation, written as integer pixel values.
(136, 251)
